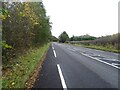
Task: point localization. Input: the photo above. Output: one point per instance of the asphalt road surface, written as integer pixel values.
(67, 66)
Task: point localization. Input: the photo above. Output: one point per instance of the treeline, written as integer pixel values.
(109, 42)
(81, 38)
(64, 37)
(24, 25)
(54, 39)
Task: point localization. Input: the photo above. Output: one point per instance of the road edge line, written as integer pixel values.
(100, 60)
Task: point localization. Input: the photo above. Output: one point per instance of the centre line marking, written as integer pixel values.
(61, 77)
(54, 53)
(53, 48)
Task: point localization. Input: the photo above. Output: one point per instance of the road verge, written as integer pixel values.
(103, 48)
(34, 75)
(24, 69)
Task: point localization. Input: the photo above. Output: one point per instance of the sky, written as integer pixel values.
(80, 17)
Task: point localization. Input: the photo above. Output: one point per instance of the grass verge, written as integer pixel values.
(0, 83)
(109, 49)
(20, 72)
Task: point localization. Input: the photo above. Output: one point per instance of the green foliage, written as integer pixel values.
(24, 25)
(54, 39)
(63, 37)
(104, 48)
(5, 45)
(81, 38)
(22, 68)
(107, 43)
(0, 83)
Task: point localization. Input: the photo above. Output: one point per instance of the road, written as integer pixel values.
(68, 66)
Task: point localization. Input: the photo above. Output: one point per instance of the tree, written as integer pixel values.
(63, 37)
(72, 38)
(24, 25)
(54, 39)
(81, 38)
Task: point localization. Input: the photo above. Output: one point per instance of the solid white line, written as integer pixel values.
(54, 53)
(113, 60)
(61, 77)
(115, 64)
(101, 61)
(52, 47)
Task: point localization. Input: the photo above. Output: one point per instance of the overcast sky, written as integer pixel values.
(80, 17)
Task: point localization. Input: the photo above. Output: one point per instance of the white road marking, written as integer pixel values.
(52, 47)
(71, 49)
(54, 53)
(101, 61)
(115, 64)
(61, 77)
(112, 60)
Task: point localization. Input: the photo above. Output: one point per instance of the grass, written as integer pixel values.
(0, 83)
(104, 48)
(20, 72)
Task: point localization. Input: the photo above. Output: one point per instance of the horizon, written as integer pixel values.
(87, 34)
(83, 17)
